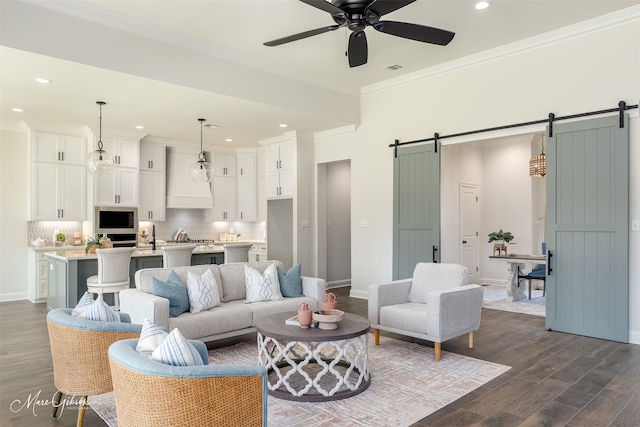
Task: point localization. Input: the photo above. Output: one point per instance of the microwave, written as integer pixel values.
(112, 220)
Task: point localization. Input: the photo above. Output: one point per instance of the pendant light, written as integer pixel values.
(100, 161)
(200, 171)
(538, 164)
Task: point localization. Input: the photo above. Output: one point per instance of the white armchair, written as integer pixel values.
(435, 305)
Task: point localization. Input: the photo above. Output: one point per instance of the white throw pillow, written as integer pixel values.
(202, 291)
(151, 337)
(262, 287)
(85, 302)
(101, 311)
(175, 350)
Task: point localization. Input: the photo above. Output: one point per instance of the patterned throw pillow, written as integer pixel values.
(151, 337)
(82, 306)
(262, 287)
(173, 290)
(101, 312)
(291, 282)
(202, 291)
(175, 350)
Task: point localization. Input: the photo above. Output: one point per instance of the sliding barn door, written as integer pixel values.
(587, 229)
(416, 208)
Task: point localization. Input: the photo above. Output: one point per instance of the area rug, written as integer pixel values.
(406, 386)
(495, 297)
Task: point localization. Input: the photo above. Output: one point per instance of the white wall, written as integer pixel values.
(583, 73)
(13, 214)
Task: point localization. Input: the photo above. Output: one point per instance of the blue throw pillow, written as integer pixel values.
(291, 283)
(174, 291)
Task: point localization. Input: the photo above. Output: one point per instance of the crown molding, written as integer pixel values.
(590, 26)
(97, 15)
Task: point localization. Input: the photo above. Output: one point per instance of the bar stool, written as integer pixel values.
(236, 252)
(113, 273)
(177, 256)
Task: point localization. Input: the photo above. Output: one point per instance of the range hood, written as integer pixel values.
(182, 192)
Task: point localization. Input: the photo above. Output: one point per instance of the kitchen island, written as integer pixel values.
(68, 271)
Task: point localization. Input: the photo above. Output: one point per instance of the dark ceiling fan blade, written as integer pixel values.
(382, 7)
(358, 51)
(416, 32)
(324, 5)
(303, 35)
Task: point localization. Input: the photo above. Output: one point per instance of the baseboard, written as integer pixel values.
(634, 337)
(338, 283)
(13, 296)
(359, 294)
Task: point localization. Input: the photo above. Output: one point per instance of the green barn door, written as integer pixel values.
(416, 208)
(587, 229)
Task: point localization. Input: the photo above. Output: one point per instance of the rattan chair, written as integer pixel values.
(148, 393)
(79, 350)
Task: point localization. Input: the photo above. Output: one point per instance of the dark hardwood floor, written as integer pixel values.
(556, 379)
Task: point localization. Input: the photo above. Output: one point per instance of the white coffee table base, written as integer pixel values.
(315, 371)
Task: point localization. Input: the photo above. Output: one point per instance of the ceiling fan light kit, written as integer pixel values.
(357, 15)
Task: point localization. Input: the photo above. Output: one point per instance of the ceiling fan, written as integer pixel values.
(356, 15)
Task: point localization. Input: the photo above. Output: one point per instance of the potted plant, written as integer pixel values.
(97, 242)
(500, 238)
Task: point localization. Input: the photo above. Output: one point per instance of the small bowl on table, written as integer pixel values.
(328, 319)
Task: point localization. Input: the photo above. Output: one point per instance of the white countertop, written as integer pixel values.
(66, 255)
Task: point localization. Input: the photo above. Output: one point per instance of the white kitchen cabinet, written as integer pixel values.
(258, 252)
(37, 272)
(67, 149)
(260, 193)
(246, 198)
(119, 188)
(152, 205)
(280, 170)
(223, 164)
(125, 152)
(247, 185)
(58, 178)
(153, 157)
(223, 190)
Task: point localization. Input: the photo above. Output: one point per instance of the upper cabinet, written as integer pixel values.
(223, 164)
(62, 149)
(280, 170)
(247, 182)
(152, 196)
(125, 152)
(153, 157)
(58, 177)
(119, 188)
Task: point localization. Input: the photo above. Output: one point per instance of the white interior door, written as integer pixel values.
(469, 228)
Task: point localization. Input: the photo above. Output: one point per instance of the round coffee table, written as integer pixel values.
(314, 364)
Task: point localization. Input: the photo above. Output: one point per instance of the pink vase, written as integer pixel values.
(304, 315)
(329, 302)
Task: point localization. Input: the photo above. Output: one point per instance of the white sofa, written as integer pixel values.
(233, 317)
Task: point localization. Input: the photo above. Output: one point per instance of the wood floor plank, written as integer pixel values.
(601, 377)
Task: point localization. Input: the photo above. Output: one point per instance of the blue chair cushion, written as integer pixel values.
(538, 271)
(174, 291)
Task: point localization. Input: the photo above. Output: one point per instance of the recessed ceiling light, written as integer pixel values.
(482, 5)
(17, 110)
(283, 125)
(139, 127)
(42, 80)
(228, 140)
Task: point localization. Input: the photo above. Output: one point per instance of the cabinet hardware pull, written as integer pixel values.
(549, 256)
(115, 198)
(61, 213)
(433, 253)
(62, 155)
(58, 155)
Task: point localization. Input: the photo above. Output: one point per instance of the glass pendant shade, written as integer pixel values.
(99, 161)
(200, 171)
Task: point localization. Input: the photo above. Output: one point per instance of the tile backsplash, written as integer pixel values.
(190, 220)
